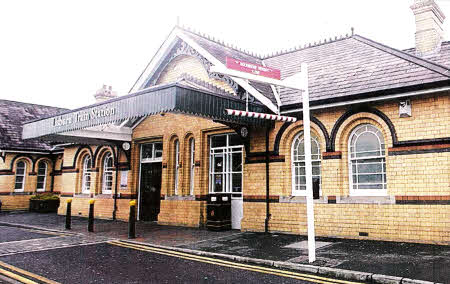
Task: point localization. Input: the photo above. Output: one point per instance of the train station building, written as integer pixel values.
(380, 140)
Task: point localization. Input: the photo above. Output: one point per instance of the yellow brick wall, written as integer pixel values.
(20, 201)
(182, 213)
(410, 223)
(103, 208)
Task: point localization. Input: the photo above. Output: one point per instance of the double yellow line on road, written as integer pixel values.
(261, 269)
(22, 276)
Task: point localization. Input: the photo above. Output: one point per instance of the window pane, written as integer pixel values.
(218, 183)
(237, 183)
(40, 185)
(370, 186)
(147, 151)
(370, 168)
(158, 150)
(235, 140)
(367, 142)
(370, 178)
(40, 179)
(316, 171)
(20, 171)
(218, 141)
(18, 186)
(237, 162)
(218, 163)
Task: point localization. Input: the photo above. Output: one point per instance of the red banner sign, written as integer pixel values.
(252, 68)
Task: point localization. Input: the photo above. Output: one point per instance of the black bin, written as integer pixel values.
(218, 210)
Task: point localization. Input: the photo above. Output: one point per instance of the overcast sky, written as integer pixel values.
(59, 52)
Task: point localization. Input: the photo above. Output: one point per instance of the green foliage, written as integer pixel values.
(45, 196)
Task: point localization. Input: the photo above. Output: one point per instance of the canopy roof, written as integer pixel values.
(173, 97)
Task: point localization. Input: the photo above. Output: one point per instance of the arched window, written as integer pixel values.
(86, 175)
(367, 161)
(192, 165)
(298, 163)
(177, 165)
(41, 176)
(21, 169)
(107, 174)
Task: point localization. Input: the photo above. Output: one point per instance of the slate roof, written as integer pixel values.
(345, 68)
(442, 57)
(12, 115)
(354, 66)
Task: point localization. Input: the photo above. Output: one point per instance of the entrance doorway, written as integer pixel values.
(150, 191)
(150, 181)
(226, 172)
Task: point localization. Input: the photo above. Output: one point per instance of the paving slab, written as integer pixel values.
(401, 260)
(10, 234)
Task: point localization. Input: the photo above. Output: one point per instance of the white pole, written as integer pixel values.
(308, 165)
(298, 81)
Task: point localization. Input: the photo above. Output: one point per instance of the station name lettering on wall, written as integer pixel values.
(81, 116)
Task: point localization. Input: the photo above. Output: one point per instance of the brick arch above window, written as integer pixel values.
(315, 121)
(342, 136)
(374, 113)
(292, 131)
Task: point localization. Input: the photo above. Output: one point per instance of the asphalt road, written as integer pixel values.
(109, 263)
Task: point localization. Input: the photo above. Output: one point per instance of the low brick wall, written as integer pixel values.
(15, 202)
(182, 213)
(388, 222)
(103, 207)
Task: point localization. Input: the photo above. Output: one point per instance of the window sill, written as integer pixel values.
(180, 197)
(104, 196)
(82, 195)
(300, 199)
(341, 200)
(21, 193)
(386, 199)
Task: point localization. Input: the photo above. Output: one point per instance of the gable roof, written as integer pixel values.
(353, 66)
(12, 115)
(348, 68)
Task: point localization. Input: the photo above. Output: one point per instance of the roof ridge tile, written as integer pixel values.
(305, 46)
(437, 68)
(221, 42)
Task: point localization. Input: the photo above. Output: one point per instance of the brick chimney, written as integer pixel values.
(104, 94)
(429, 32)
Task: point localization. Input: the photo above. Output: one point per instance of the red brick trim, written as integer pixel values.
(262, 159)
(70, 170)
(261, 198)
(332, 155)
(418, 149)
(425, 199)
(6, 173)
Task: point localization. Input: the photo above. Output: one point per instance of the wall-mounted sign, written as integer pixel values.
(83, 115)
(123, 179)
(253, 68)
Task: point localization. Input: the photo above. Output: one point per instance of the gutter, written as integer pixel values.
(381, 98)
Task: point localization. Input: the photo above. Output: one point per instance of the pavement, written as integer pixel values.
(367, 261)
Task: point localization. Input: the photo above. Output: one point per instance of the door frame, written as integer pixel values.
(155, 160)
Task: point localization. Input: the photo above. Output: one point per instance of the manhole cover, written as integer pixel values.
(304, 245)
